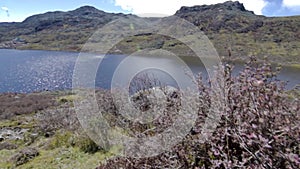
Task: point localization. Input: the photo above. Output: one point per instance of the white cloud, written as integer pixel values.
(4, 8)
(169, 7)
(291, 3)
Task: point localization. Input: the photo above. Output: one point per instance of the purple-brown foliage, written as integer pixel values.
(259, 127)
(12, 104)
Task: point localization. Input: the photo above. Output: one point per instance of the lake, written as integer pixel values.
(25, 71)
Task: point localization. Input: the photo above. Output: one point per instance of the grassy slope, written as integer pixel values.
(241, 31)
(62, 148)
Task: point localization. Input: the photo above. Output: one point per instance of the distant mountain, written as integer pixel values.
(229, 26)
(55, 30)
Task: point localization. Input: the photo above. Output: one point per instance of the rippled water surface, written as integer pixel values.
(29, 71)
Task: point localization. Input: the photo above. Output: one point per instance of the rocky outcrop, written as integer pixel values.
(12, 133)
(24, 156)
(230, 16)
(229, 5)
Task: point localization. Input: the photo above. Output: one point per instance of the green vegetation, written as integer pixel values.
(49, 139)
(295, 66)
(69, 158)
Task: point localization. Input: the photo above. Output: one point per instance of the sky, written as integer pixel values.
(18, 10)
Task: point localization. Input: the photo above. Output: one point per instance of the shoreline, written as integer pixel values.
(223, 58)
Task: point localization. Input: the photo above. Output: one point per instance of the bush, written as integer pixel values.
(86, 145)
(12, 104)
(259, 127)
(61, 139)
(63, 117)
(73, 139)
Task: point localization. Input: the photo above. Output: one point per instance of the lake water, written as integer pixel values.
(29, 71)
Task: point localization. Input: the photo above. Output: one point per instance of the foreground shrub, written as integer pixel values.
(259, 127)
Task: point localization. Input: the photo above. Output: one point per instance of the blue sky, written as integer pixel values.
(18, 10)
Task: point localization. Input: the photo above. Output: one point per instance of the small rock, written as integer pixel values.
(7, 146)
(24, 156)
